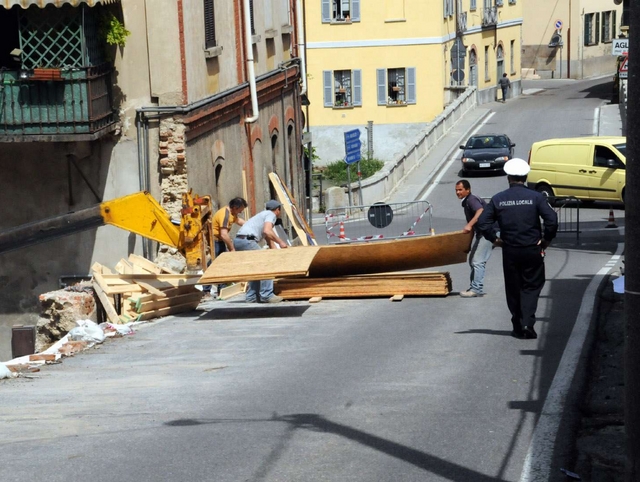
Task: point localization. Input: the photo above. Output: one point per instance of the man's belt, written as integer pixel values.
(250, 237)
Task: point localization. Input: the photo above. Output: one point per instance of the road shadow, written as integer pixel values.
(252, 310)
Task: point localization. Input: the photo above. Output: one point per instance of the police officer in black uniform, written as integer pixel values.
(518, 211)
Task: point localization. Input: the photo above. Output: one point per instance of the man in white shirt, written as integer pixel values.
(254, 230)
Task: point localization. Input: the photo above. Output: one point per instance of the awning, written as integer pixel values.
(58, 3)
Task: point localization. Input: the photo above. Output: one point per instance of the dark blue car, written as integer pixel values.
(486, 153)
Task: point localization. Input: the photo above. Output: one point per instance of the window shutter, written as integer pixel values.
(473, 5)
(411, 85)
(446, 8)
(613, 25)
(597, 27)
(326, 11)
(357, 87)
(587, 26)
(327, 82)
(381, 76)
(209, 25)
(355, 10)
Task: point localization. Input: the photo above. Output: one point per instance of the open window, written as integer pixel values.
(340, 11)
(342, 88)
(396, 86)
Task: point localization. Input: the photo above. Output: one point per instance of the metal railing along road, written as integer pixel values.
(568, 211)
(378, 221)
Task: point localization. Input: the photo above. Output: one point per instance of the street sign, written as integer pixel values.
(352, 146)
(558, 25)
(620, 46)
(624, 68)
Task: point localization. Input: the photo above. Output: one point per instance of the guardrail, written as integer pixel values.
(568, 211)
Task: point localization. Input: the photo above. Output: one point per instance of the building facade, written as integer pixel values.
(192, 94)
(570, 39)
(402, 61)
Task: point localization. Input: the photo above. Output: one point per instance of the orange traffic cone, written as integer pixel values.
(342, 236)
(612, 220)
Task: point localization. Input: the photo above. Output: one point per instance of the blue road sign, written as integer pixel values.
(352, 135)
(351, 158)
(353, 146)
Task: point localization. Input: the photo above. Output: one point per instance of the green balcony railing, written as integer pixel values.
(56, 102)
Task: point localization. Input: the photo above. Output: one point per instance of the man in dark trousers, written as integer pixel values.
(518, 211)
(481, 247)
(505, 85)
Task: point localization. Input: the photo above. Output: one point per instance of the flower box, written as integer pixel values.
(46, 74)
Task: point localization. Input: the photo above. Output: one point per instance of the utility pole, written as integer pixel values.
(632, 260)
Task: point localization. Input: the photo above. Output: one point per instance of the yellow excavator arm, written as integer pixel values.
(139, 213)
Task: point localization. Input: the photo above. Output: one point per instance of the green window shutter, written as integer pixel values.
(597, 28)
(613, 24)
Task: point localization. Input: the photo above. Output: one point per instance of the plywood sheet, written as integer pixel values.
(392, 255)
(260, 264)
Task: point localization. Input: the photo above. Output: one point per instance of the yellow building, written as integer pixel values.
(571, 39)
(391, 61)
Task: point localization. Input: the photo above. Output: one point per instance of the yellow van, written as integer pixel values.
(588, 168)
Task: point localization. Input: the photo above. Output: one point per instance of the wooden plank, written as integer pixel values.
(315, 299)
(231, 291)
(259, 265)
(160, 277)
(150, 288)
(107, 304)
(139, 298)
(396, 298)
(363, 286)
(123, 267)
(170, 310)
(144, 263)
(173, 301)
(305, 235)
(43, 357)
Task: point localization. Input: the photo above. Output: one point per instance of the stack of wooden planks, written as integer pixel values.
(141, 290)
(362, 286)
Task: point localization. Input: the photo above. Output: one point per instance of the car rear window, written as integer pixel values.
(487, 142)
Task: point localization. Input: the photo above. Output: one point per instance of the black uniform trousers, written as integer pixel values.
(524, 277)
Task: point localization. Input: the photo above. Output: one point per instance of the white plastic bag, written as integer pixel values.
(5, 372)
(88, 331)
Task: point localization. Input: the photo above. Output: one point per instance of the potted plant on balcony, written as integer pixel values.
(46, 73)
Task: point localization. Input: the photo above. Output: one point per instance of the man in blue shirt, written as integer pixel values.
(518, 211)
(481, 248)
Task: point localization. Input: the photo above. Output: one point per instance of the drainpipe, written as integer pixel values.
(302, 48)
(250, 67)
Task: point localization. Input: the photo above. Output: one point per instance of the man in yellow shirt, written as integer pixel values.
(222, 221)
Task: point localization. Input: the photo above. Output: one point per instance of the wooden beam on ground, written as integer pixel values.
(107, 304)
(396, 285)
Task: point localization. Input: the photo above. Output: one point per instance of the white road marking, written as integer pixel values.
(537, 463)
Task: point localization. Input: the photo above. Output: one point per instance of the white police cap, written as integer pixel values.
(516, 167)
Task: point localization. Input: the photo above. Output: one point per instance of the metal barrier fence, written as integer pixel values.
(378, 221)
(568, 211)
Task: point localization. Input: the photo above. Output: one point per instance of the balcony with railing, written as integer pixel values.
(490, 17)
(64, 105)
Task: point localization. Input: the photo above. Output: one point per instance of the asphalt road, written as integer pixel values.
(343, 390)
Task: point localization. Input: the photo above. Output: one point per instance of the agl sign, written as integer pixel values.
(620, 46)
